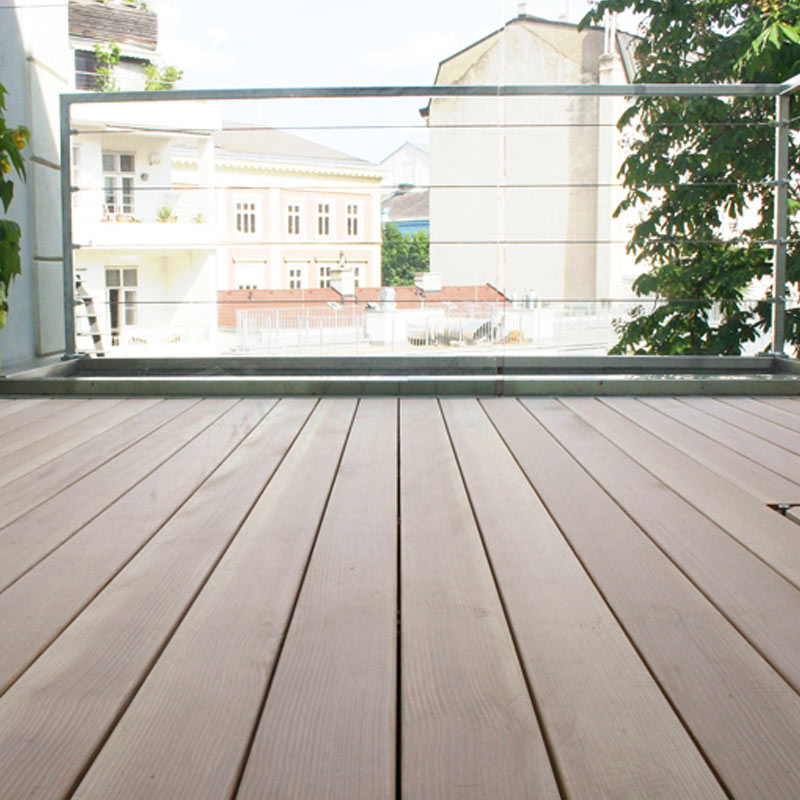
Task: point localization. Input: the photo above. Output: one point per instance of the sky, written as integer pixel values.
(296, 43)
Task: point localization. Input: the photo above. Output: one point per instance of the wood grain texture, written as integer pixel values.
(60, 711)
(34, 535)
(331, 707)
(25, 435)
(21, 462)
(34, 488)
(761, 604)
(756, 408)
(611, 730)
(468, 725)
(744, 516)
(29, 413)
(743, 715)
(12, 405)
(35, 609)
(212, 676)
(717, 422)
(755, 479)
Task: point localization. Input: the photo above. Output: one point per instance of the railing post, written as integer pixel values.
(66, 230)
(781, 223)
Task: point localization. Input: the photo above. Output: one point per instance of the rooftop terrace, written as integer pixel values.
(413, 597)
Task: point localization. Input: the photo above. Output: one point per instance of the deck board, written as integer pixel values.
(761, 604)
(743, 515)
(25, 435)
(743, 715)
(753, 478)
(35, 609)
(468, 727)
(228, 641)
(753, 445)
(48, 525)
(23, 461)
(331, 705)
(418, 598)
(29, 412)
(756, 408)
(11, 405)
(21, 495)
(646, 752)
(48, 736)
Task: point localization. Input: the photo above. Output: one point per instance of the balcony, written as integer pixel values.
(304, 541)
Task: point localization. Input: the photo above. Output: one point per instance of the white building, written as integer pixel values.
(163, 221)
(524, 187)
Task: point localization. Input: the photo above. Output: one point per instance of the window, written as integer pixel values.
(85, 70)
(324, 219)
(121, 290)
(324, 276)
(293, 219)
(118, 174)
(352, 219)
(295, 277)
(246, 216)
(356, 275)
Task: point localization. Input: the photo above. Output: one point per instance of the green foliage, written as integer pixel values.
(695, 164)
(403, 256)
(157, 80)
(12, 142)
(107, 57)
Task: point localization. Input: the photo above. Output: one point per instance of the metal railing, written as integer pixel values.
(260, 330)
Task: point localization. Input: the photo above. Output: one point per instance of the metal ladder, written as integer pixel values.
(82, 297)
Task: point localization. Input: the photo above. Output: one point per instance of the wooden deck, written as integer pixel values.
(418, 598)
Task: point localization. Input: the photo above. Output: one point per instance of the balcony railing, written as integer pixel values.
(253, 239)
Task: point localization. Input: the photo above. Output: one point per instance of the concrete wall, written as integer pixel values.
(35, 67)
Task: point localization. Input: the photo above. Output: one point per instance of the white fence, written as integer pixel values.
(546, 327)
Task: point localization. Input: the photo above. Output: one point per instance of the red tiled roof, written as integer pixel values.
(231, 300)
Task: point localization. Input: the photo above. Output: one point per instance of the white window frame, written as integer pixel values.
(246, 215)
(354, 221)
(119, 185)
(294, 218)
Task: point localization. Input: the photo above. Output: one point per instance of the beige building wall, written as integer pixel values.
(504, 213)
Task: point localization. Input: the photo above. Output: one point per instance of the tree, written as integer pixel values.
(403, 256)
(12, 141)
(157, 80)
(696, 165)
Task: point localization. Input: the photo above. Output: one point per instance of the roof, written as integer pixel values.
(625, 41)
(406, 146)
(249, 139)
(408, 205)
(231, 300)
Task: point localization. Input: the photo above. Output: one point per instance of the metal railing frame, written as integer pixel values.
(782, 93)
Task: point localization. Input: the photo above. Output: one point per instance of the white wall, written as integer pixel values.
(35, 68)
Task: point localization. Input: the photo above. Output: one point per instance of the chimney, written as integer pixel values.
(428, 282)
(522, 10)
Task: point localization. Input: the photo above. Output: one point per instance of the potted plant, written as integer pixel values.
(164, 214)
